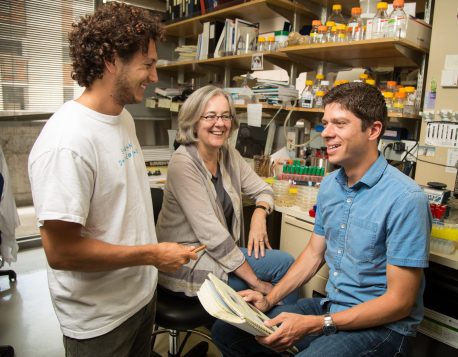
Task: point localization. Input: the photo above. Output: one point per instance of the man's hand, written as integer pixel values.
(257, 238)
(292, 328)
(171, 256)
(256, 298)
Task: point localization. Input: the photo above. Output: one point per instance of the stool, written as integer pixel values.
(177, 313)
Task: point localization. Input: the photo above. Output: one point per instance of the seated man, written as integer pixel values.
(372, 229)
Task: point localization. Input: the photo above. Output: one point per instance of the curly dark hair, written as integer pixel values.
(114, 28)
(366, 102)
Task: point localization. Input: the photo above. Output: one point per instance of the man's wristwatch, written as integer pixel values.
(329, 327)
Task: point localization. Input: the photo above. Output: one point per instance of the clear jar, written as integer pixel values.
(409, 105)
(261, 46)
(270, 44)
(331, 32)
(314, 30)
(280, 39)
(321, 36)
(398, 102)
(319, 99)
(341, 33)
(388, 100)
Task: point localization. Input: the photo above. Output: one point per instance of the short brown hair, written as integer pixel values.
(366, 102)
(114, 28)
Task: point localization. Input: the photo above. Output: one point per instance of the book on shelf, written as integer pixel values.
(167, 92)
(240, 34)
(223, 302)
(216, 29)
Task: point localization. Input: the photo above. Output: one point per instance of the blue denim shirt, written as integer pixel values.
(383, 219)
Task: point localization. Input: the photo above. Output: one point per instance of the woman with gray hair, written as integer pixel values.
(203, 203)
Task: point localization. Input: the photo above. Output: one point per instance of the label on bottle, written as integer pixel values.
(307, 100)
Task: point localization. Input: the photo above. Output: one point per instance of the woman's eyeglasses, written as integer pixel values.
(214, 117)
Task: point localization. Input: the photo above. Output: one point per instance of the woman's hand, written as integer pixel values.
(257, 238)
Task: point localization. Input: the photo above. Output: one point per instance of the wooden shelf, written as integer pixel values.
(254, 11)
(240, 62)
(365, 53)
(319, 110)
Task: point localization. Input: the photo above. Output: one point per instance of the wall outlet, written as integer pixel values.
(391, 154)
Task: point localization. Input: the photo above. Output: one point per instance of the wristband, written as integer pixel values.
(266, 209)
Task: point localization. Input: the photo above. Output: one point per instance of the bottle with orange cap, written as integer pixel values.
(391, 86)
(322, 37)
(397, 23)
(314, 30)
(355, 25)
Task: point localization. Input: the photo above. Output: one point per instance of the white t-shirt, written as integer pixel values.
(88, 168)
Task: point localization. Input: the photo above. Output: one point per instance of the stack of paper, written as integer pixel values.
(186, 53)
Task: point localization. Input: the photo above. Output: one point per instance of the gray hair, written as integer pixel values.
(193, 108)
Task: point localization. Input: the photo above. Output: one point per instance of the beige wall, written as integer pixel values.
(444, 42)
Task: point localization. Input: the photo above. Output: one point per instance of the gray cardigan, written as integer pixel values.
(192, 214)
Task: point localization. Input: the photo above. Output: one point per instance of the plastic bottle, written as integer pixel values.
(307, 95)
(388, 100)
(397, 23)
(370, 82)
(319, 99)
(341, 33)
(398, 102)
(321, 37)
(409, 104)
(391, 86)
(330, 33)
(314, 30)
(261, 46)
(380, 21)
(324, 86)
(355, 25)
(336, 15)
(270, 43)
(316, 86)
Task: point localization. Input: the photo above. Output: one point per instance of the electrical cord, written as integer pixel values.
(434, 163)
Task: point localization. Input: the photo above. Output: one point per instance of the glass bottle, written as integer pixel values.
(307, 95)
(341, 33)
(336, 15)
(321, 37)
(324, 86)
(330, 33)
(388, 100)
(355, 25)
(314, 30)
(270, 43)
(409, 104)
(397, 23)
(316, 86)
(261, 44)
(398, 102)
(391, 86)
(319, 99)
(380, 21)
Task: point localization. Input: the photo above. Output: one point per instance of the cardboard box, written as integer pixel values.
(418, 32)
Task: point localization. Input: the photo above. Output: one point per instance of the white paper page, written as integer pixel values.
(254, 114)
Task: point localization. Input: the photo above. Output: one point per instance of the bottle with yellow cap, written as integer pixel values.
(270, 43)
(380, 21)
(331, 31)
(341, 33)
(316, 86)
(319, 99)
(364, 77)
(261, 46)
(306, 100)
(336, 15)
(388, 100)
(370, 82)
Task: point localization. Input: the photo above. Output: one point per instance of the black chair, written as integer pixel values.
(176, 312)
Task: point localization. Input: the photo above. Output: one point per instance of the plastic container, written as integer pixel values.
(306, 197)
(409, 105)
(388, 100)
(355, 25)
(282, 196)
(306, 100)
(319, 99)
(380, 21)
(261, 46)
(442, 246)
(270, 44)
(280, 38)
(398, 102)
(324, 86)
(397, 23)
(336, 15)
(314, 30)
(341, 33)
(331, 31)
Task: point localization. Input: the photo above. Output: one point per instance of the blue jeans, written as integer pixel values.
(272, 267)
(378, 341)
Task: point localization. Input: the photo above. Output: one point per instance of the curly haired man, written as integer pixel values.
(91, 192)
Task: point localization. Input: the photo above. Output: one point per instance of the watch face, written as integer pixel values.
(329, 330)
